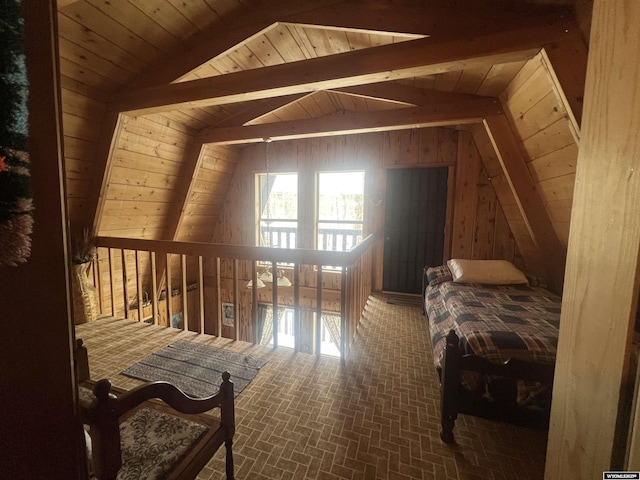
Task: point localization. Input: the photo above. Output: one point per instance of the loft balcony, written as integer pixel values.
(214, 288)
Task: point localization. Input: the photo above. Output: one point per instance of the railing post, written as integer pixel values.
(168, 297)
(139, 285)
(236, 302)
(254, 302)
(318, 325)
(185, 312)
(218, 303)
(343, 315)
(125, 295)
(200, 295)
(274, 302)
(296, 307)
(154, 289)
(111, 282)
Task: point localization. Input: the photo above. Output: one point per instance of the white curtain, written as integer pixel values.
(332, 322)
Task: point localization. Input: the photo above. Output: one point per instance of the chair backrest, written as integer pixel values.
(111, 412)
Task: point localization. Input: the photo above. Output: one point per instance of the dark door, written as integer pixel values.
(416, 203)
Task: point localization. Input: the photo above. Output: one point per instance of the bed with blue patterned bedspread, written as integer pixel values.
(499, 323)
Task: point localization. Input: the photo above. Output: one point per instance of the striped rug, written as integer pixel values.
(196, 369)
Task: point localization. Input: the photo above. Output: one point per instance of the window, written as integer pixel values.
(340, 210)
(278, 208)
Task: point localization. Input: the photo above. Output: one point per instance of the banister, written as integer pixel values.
(241, 252)
(353, 292)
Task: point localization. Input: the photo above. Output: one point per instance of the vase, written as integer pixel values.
(85, 299)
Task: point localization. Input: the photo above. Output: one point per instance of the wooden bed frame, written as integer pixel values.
(455, 399)
(111, 406)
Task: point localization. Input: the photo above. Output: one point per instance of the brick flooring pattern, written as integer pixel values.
(375, 418)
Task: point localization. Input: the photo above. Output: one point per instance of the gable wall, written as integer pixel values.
(541, 126)
(476, 227)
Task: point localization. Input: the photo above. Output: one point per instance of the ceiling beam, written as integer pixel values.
(436, 22)
(257, 109)
(566, 63)
(248, 23)
(344, 123)
(107, 146)
(388, 62)
(514, 166)
(404, 94)
(244, 25)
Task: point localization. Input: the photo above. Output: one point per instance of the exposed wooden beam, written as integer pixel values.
(551, 251)
(596, 347)
(359, 122)
(388, 62)
(103, 164)
(566, 62)
(257, 109)
(190, 166)
(244, 25)
(404, 94)
(378, 18)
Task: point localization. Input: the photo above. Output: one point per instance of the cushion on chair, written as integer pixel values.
(153, 441)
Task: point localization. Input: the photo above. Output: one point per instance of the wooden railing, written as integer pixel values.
(139, 279)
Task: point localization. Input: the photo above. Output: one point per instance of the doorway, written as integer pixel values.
(415, 214)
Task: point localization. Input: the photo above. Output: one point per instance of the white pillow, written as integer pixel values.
(494, 272)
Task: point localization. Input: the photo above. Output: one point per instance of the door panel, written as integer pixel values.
(415, 212)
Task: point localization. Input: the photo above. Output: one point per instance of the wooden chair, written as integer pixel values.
(154, 430)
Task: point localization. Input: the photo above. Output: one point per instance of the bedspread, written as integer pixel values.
(496, 322)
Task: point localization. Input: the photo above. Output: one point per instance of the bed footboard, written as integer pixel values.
(453, 399)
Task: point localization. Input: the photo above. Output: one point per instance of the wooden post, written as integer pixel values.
(169, 297)
(111, 282)
(603, 266)
(200, 295)
(343, 315)
(154, 289)
(185, 306)
(296, 307)
(125, 295)
(318, 311)
(274, 300)
(139, 286)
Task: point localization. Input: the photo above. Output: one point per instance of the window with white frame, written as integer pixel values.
(278, 210)
(340, 215)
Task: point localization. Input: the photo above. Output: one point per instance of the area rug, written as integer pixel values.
(197, 369)
(404, 299)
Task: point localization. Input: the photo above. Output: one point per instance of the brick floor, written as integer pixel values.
(375, 418)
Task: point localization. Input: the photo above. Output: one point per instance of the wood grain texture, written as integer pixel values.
(602, 274)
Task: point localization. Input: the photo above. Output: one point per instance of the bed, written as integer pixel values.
(494, 337)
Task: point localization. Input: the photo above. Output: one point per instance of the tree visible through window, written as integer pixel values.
(278, 209)
(340, 210)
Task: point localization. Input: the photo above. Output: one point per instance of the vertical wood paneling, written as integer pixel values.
(466, 197)
(539, 119)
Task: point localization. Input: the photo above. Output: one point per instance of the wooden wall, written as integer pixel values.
(548, 144)
(478, 228)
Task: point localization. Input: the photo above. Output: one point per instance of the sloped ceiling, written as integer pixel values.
(168, 85)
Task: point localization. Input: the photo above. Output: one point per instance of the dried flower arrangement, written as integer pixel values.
(84, 249)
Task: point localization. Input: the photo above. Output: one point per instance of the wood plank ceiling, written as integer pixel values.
(153, 90)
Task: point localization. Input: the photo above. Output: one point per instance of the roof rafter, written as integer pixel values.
(388, 62)
(452, 113)
(532, 209)
(404, 94)
(331, 14)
